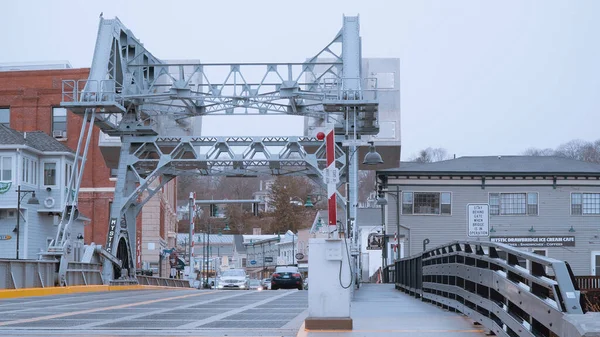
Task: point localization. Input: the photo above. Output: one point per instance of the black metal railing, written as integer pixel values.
(389, 274)
(509, 291)
(163, 281)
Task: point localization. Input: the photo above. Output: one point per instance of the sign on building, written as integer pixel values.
(478, 220)
(375, 241)
(536, 241)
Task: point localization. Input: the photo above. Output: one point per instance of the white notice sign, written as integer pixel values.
(478, 217)
(331, 175)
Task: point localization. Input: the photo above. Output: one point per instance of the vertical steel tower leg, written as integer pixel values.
(351, 57)
(61, 247)
(122, 223)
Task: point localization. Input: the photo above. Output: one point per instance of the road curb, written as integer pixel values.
(302, 331)
(32, 292)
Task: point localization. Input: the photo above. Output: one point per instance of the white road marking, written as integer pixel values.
(159, 311)
(232, 312)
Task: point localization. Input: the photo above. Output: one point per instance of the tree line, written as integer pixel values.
(575, 149)
(287, 196)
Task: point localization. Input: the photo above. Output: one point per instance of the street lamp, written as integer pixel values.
(308, 203)
(32, 201)
(372, 157)
(298, 201)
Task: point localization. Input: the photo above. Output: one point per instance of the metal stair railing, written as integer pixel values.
(509, 291)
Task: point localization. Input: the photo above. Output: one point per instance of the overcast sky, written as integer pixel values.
(477, 77)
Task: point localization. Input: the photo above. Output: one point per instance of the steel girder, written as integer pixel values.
(125, 74)
(151, 157)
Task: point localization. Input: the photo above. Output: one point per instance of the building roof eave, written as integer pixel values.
(36, 151)
(485, 174)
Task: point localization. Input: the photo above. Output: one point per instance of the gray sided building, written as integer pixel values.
(547, 205)
(41, 166)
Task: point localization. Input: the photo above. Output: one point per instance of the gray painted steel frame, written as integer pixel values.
(17, 274)
(128, 88)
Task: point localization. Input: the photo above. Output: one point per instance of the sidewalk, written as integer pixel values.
(381, 310)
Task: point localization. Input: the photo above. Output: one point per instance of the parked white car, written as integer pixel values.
(233, 279)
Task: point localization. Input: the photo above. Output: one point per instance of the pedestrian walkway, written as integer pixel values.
(381, 310)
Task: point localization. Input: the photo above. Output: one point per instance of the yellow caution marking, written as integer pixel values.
(122, 306)
(31, 292)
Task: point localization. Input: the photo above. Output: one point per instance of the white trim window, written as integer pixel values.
(514, 203)
(427, 203)
(50, 174)
(6, 168)
(68, 172)
(585, 203)
(29, 171)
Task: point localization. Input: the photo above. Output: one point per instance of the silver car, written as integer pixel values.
(233, 279)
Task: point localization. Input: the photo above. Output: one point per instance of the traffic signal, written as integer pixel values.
(380, 192)
(213, 210)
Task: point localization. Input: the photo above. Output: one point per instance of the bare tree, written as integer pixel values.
(366, 184)
(203, 186)
(591, 152)
(538, 152)
(288, 195)
(574, 149)
(430, 155)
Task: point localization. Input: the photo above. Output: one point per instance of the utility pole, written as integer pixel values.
(383, 244)
(192, 205)
(203, 257)
(293, 248)
(206, 285)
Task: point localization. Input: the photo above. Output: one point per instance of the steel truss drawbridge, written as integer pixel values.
(130, 93)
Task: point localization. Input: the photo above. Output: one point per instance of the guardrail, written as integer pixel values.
(588, 283)
(165, 282)
(486, 282)
(91, 91)
(79, 273)
(18, 274)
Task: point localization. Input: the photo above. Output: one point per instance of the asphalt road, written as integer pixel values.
(157, 313)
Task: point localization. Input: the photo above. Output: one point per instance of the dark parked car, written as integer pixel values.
(286, 278)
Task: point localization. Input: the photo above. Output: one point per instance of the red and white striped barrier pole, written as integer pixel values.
(331, 184)
(192, 232)
(331, 176)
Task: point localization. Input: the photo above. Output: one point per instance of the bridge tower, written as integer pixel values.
(130, 93)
